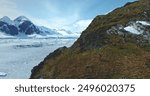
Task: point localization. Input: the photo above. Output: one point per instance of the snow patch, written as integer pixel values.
(132, 30)
(144, 23)
(137, 27)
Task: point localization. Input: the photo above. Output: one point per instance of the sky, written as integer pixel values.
(58, 13)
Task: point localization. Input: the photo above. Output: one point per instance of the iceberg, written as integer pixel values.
(3, 74)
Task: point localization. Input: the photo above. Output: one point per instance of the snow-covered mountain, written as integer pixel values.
(19, 20)
(23, 27)
(78, 26)
(7, 20)
(68, 33)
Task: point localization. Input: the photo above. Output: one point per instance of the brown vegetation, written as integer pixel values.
(97, 54)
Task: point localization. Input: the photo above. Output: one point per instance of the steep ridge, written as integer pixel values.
(116, 45)
(120, 17)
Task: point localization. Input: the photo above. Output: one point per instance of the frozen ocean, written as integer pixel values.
(19, 56)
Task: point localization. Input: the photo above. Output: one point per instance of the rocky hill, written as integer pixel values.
(116, 45)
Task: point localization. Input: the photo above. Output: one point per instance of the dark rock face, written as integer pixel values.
(105, 49)
(2, 23)
(8, 29)
(24, 26)
(28, 28)
(13, 30)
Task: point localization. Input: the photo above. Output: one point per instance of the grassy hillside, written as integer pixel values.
(98, 54)
(95, 35)
(120, 61)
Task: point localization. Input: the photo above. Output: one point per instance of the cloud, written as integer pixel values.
(40, 22)
(9, 8)
(51, 7)
(78, 26)
(56, 22)
(62, 23)
(56, 15)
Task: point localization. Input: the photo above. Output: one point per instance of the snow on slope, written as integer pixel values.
(7, 20)
(144, 23)
(42, 32)
(135, 28)
(132, 30)
(47, 31)
(20, 20)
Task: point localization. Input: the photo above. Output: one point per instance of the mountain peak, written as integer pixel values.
(21, 18)
(5, 17)
(24, 26)
(7, 20)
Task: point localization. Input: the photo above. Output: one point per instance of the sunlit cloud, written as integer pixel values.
(56, 22)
